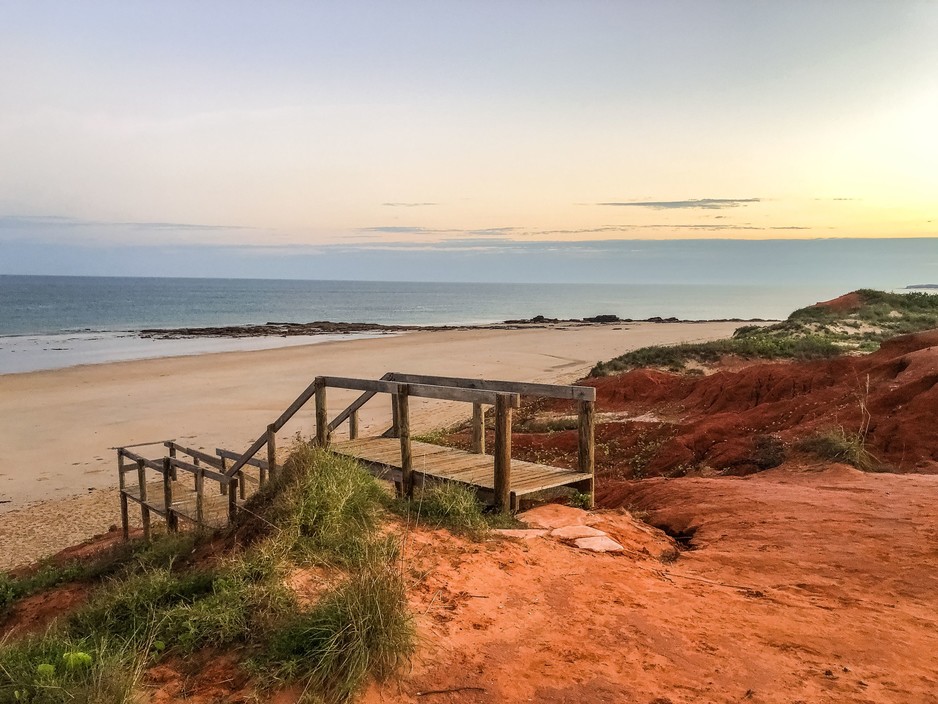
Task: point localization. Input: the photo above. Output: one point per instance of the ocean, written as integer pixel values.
(49, 322)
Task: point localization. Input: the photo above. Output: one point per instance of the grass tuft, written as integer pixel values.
(361, 629)
(841, 446)
(331, 506)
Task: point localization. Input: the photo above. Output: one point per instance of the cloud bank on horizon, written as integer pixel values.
(436, 125)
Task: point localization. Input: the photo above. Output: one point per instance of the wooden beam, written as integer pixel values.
(322, 413)
(407, 462)
(444, 393)
(355, 405)
(586, 423)
(229, 455)
(210, 460)
(152, 464)
(199, 498)
(196, 469)
(144, 509)
(233, 499)
(295, 406)
(503, 454)
(125, 517)
(172, 522)
(272, 450)
(572, 393)
(478, 429)
(353, 425)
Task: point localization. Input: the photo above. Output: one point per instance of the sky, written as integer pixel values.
(359, 131)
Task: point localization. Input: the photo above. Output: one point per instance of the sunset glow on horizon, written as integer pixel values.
(305, 124)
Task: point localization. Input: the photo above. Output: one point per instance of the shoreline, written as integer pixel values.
(328, 327)
(56, 426)
(23, 354)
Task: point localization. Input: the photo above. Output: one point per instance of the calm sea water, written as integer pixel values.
(50, 322)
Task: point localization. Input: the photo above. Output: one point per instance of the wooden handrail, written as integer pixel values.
(444, 393)
(355, 405)
(523, 388)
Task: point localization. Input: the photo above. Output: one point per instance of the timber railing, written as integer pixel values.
(229, 469)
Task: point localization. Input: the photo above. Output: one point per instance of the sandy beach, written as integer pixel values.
(58, 473)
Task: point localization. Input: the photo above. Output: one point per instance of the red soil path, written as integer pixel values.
(805, 586)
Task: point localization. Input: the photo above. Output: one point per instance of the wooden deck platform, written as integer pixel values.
(449, 464)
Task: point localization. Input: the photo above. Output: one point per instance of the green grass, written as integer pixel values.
(330, 507)
(163, 550)
(841, 446)
(58, 669)
(360, 629)
(815, 332)
(453, 506)
(157, 601)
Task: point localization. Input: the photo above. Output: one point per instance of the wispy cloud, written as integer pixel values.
(408, 205)
(441, 232)
(60, 221)
(694, 203)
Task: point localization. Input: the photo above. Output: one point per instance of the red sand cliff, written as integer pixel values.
(721, 420)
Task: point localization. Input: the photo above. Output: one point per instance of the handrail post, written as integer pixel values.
(144, 508)
(199, 498)
(395, 418)
(503, 454)
(403, 427)
(272, 451)
(353, 425)
(478, 429)
(322, 416)
(125, 517)
(224, 470)
(171, 518)
(232, 498)
(586, 460)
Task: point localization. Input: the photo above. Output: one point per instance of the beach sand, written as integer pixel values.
(57, 428)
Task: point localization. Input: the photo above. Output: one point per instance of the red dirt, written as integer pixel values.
(842, 304)
(716, 421)
(34, 613)
(804, 586)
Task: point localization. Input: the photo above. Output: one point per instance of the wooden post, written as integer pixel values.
(125, 517)
(172, 453)
(171, 518)
(403, 419)
(144, 509)
(241, 483)
(224, 470)
(395, 418)
(232, 499)
(199, 506)
(587, 422)
(503, 453)
(322, 416)
(353, 425)
(478, 429)
(272, 451)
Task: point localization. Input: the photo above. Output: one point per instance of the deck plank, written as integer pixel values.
(452, 464)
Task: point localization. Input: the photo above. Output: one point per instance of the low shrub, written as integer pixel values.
(839, 445)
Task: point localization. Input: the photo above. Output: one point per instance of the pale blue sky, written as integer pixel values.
(366, 126)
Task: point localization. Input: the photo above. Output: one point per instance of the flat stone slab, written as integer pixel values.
(574, 532)
(522, 533)
(557, 516)
(598, 544)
